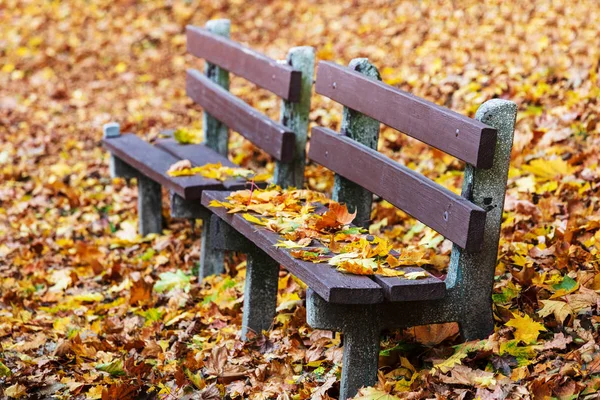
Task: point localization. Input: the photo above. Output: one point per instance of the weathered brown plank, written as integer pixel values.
(274, 138)
(402, 289)
(330, 284)
(281, 79)
(453, 216)
(453, 133)
(154, 163)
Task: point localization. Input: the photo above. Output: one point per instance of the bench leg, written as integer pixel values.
(361, 329)
(119, 168)
(149, 206)
(212, 260)
(260, 293)
(476, 323)
(361, 358)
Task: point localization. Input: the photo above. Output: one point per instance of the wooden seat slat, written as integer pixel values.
(462, 137)
(278, 78)
(402, 289)
(455, 217)
(154, 163)
(333, 286)
(274, 138)
(330, 284)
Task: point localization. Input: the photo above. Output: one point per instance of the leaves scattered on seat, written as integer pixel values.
(214, 171)
(318, 230)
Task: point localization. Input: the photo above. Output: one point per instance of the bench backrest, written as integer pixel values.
(284, 141)
(457, 218)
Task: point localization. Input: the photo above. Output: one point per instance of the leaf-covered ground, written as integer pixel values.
(90, 310)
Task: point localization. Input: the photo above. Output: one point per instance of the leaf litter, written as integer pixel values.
(79, 316)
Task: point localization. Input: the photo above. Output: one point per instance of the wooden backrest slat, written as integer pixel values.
(274, 138)
(453, 133)
(280, 79)
(453, 216)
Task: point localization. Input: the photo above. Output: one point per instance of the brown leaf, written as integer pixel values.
(141, 292)
(180, 165)
(431, 335)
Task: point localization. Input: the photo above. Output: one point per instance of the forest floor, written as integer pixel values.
(88, 309)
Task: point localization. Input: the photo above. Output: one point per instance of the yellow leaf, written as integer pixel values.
(548, 169)
(253, 219)
(216, 204)
(95, 392)
(461, 352)
(16, 391)
(416, 275)
(370, 393)
(120, 67)
(527, 330)
(384, 271)
(359, 266)
(560, 309)
(188, 136)
(288, 301)
(289, 244)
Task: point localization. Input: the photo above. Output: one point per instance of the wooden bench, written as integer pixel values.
(132, 157)
(360, 306)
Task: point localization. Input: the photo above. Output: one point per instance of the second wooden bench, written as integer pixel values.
(132, 157)
(362, 306)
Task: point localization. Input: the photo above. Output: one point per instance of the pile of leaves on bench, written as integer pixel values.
(318, 229)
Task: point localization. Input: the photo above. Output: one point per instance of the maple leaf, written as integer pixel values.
(336, 216)
(141, 292)
(460, 352)
(16, 391)
(526, 329)
(560, 309)
(545, 169)
(358, 266)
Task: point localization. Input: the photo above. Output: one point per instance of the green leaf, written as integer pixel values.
(172, 280)
(4, 370)
(152, 314)
(188, 136)
(114, 368)
(354, 230)
(148, 254)
(567, 285)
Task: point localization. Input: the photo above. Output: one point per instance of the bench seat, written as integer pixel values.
(154, 161)
(326, 281)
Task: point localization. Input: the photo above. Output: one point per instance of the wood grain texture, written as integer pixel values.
(273, 138)
(330, 284)
(453, 133)
(402, 289)
(280, 79)
(453, 216)
(153, 162)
